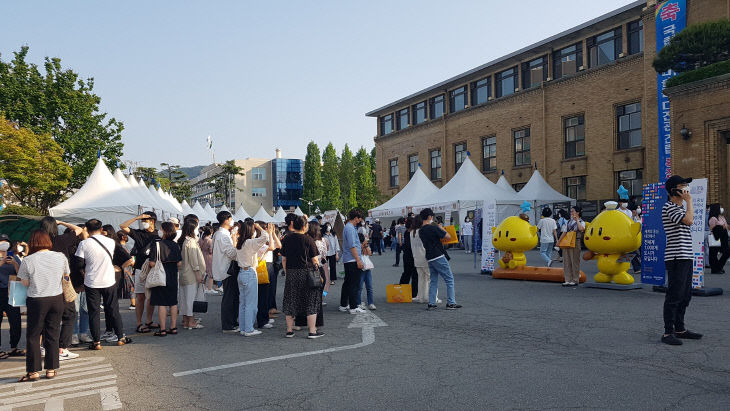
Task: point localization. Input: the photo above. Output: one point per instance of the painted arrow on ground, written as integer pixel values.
(367, 321)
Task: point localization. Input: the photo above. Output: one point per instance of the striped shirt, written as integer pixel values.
(44, 270)
(679, 235)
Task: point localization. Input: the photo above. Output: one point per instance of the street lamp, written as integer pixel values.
(309, 203)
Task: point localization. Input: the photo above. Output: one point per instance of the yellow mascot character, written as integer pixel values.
(514, 236)
(609, 237)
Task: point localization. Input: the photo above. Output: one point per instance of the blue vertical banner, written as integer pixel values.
(671, 18)
(653, 239)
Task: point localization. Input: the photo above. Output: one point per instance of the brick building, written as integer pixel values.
(581, 106)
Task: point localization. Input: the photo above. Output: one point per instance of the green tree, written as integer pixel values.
(32, 165)
(63, 105)
(225, 182)
(330, 180)
(347, 180)
(148, 174)
(312, 190)
(364, 187)
(696, 46)
(176, 181)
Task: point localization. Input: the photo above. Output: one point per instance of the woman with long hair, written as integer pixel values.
(206, 246)
(333, 250)
(410, 274)
(718, 229)
(165, 297)
(42, 271)
(571, 255)
(251, 239)
(266, 255)
(191, 272)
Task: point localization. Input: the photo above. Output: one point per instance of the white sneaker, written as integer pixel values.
(371, 306)
(344, 309)
(211, 292)
(267, 326)
(550, 263)
(132, 308)
(67, 355)
(438, 301)
(107, 334)
(363, 306)
(75, 339)
(85, 338)
(111, 338)
(357, 310)
(233, 331)
(271, 321)
(252, 333)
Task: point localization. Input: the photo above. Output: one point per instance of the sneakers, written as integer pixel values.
(268, 325)
(85, 338)
(550, 263)
(43, 352)
(453, 306)
(431, 307)
(371, 306)
(75, 340)
(111, 339)
(344, 309)
(251, 333)
(233, 331)
(565, 284)
(363, 306)
(316, 335)
(132, 307)
(671, 340)
(688, 335)
(357, 310)
(67, 355)
(107, 335)
(289, 334)
(271, 321)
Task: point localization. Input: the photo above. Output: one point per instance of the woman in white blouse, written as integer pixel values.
(42, 272)
(247, 257)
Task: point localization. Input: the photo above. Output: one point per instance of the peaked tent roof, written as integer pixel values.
(211, 212)
(241, 214)
(169, 200)
(279, 216)
(224, 208)
(418, 188)
(199, 211)
(262, 215)
(186, 208)
(502, 182)
(147, 199)
(538, 190)
(298, 211)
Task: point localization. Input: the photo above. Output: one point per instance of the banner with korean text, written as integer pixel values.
(489, 220)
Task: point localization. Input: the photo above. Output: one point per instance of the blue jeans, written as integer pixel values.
(82, 326)
(248, 299)
(546, 251)
(440, 266)
(382, 244)
(367, 279)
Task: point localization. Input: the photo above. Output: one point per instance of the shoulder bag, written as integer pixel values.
(200, 303)
(367, 262)
(568, 240)
(314, 280)
(117, 270)
(156, 277)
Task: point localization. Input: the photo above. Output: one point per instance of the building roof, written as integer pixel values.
(455, 79)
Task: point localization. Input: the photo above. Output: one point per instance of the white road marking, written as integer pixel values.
(367, 321)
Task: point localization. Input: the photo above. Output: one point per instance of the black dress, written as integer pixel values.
(169, 256)
(299, 298)
(410, 275)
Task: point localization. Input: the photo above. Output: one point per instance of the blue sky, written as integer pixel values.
(266, 74)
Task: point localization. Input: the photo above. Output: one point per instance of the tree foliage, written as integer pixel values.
(224, 182)
(312, 190)
(330, 180)
(696, 46)
(347, 180)
(32, 165)
(176, 181)
(60, 104)
(364, 184)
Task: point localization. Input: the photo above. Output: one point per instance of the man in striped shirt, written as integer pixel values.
(678, 259)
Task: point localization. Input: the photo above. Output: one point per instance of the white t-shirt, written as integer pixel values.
(99, 266)
(467, 228)
(546, 225)
(627, 212)
(44, 270)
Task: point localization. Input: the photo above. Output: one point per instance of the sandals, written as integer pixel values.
(4, 355)
(161, 333)
(172, 331)
(95, 346)
(151, 325)
(50, 374)
(124, 341)
(142, 328)
(31, 376)
(16, 353)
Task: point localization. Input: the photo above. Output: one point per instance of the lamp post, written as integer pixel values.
(309, 203)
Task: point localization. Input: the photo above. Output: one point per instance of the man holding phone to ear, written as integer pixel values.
(678, 260)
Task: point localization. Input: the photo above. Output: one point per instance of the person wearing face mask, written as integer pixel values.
(142, 237)
(166, 252)
(718, 229)
(636, 217)
(624, 208)
(467, 231)
(191, 272)
(252, 240)
(9, 265)
(223, 254)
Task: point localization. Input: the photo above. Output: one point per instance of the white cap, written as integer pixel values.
(173, 220)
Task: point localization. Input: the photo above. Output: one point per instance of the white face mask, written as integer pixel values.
(196, 232)
(638, 210)
(722, 210)
(145, 225)
(161, 233)
(624, 205)
(234, 229)
(4, 246)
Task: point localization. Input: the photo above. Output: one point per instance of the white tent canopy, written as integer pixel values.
(211, 212)
(419, 188)
(298, 211)
(279, 216)
(262, 215)
(241, 214)
(201, 213)
(502, 182)
(186, 208)
(539, 191)
(224, 208)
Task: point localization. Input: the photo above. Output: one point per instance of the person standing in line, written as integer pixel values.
(624, 207)
(718, 229)
(410, 274)
(143, 238)
(42, 272)
(191, 273)
(420, 262)
(571, 255)
(288, 228)
(223, 254)
(400, 230)
(391, 234)
(438, 265)
(548, 235)
(467, 233)
(251, 239)
(166, 252)
(376, 236)
(678, 259)
(366, 278)
(353, 264)
(206, 246)
(315, 232)
(121, 260)
(9, 265)
(100, 283)
(333, 251)
(263, 316)
(563, 218)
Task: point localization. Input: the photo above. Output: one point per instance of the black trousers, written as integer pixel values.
(262, 315)
(44, 318)
(68, 321)
(332, 259)
(273, 279)
(679, 293)
(94, 298)
(410, 275)
(229, 303)
(398, 249)
(13, 314)
(376, 245)
(348, 296)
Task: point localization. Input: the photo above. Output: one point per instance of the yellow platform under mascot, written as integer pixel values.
(609, 237)
(514, 236)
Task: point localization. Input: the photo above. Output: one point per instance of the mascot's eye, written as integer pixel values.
(600, 230)
(506, 234)
(591, 231)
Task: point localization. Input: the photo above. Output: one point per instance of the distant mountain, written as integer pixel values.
(191, 172)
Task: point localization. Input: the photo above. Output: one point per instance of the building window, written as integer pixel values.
(437, 106)
(480, 91)
(629, 126)
(259, 173)
(412, 165)
(575, 187)
(258, 192)
(567, 61)
(518, 186)
(636, 37)
(575, 144)
(394, 173)
(534, 72)
(419, 113)
(489, 153)
(386, 124)
(403, 119)
(506, 82)
(435, 164)
(522, 147)
(457, 99)
(604, 48)
(459, 155)
(632, 181)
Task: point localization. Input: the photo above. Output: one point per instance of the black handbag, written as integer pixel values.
(233, 269)
(200, 305)
(314, 280)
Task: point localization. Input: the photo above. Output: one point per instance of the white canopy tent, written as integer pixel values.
(539, 193)
(279, 216)
(211, 212)
(502, 182)
(262, 215)
(240, 214)
(199, 211)
(224, 208)
(298, 211)
(418, 189)
(147, 200)
(186, 208)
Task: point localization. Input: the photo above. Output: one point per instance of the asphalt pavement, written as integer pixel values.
(513, 345)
